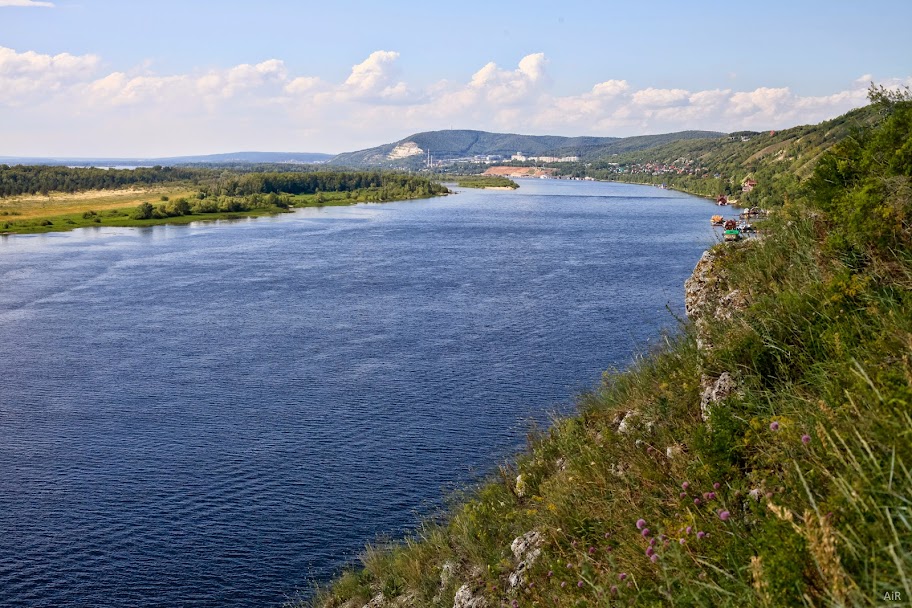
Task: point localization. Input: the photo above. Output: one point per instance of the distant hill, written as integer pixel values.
(777, 160)
(449, 144)
(228, 158)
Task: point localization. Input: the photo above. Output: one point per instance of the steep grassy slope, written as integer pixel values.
(761, 458)
(777, 160)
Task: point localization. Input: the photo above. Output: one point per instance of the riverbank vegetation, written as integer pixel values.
(481, 181)
(221, 195)
(761, 457)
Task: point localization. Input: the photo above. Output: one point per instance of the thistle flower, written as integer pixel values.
(701, 534)
(688, 529)
(650, 551)
(580, 584)
(622, 576)
(774, 426)
(641, 523)
(645, 532)
(805, 439)
(591, 550)
(724, 515)
(685, 485)
(654, 558)
(697, 501)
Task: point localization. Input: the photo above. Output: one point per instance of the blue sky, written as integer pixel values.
(97, 77)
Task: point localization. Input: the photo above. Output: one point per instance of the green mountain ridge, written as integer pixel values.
(448, 144)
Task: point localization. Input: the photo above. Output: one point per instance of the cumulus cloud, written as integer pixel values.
(265, 102)
(375, 79)
(26, 3)
(25, 75)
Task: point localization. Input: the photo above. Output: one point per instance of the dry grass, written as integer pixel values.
(57, 203)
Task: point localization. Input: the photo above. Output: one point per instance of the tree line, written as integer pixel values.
(18, 180)
(21, 180)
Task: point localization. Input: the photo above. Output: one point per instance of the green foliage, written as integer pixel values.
(29, 180)
(144, 211)
(796, 491)
(483, 181)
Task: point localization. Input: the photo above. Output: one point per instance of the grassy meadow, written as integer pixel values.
(61, 212)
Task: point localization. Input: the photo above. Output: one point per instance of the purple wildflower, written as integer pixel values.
(685, 485)
(641, 523)
(614, 590)
(681, 541)
(580, 584)
(654, 558)
(724, 515)
(688, 529)
(652, 542)
(774, 426)
(645, 532)
(697, 501)
(591, 550)
(550, 573)
(607, 534)
(650, 551)
(622, 576)
(717, 485)
(701, 534)
(805, 439)
(515, 604)
(563, 584)
(683, 494)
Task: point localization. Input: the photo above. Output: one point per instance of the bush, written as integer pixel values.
(144, 211)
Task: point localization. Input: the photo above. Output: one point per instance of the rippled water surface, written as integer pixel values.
(219, 414)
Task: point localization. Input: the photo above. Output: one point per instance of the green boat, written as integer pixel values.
(732, 235)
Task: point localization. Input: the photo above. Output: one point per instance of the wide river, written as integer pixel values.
(221, 414)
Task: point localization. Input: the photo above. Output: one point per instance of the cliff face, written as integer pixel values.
(710, 299)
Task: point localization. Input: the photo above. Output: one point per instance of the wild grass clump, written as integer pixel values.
(796, 491)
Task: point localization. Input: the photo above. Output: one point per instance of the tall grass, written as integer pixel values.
(795, 492)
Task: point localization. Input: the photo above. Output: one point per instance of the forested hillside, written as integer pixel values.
(463, 143)
(776, 160)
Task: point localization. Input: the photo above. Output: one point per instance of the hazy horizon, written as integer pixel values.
(100, 78)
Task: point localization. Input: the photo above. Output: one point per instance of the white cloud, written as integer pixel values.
(26, 75)
(266, 105)
(375, 78)
(26, 3)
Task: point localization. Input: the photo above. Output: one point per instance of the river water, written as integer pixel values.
(220, 414)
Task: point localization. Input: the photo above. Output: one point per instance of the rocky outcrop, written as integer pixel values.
(715, 390)
(710, 299)
(378, 601)
(466, 598)
(526, 549)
